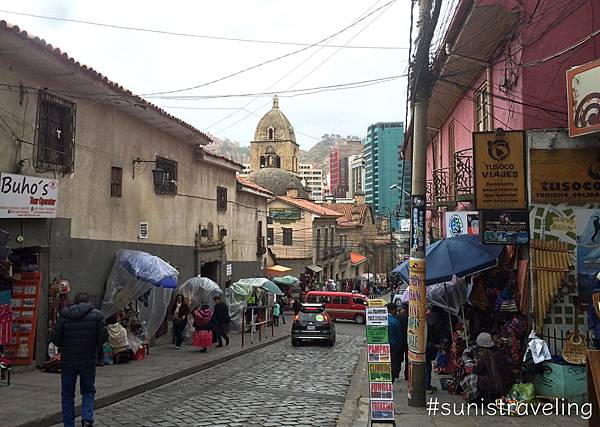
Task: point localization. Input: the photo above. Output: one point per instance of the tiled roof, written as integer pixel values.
(310, 206)
(219, 156)
(247, 183)
(42, 46)
(357, 258)
(349, 210)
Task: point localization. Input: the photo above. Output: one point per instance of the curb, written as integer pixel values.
(351, 413)
(104, 401)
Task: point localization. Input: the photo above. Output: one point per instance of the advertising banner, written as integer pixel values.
(27, 196)
(381, 391)
(565, 176)
(378, 353)
(500, 176)
(505, 226)
(377, 316)
(588, 252)
(418, 221)
(416, 310)
(377, 335)
(379, 372)
(461, 222)
(382, 410)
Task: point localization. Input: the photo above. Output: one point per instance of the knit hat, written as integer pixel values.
(485, 340)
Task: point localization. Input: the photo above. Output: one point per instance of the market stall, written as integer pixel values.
(139, 288)
(198, 291)
(239, 292)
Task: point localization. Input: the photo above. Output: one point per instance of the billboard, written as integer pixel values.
(24, 196)
(506, 227)
(461, 222)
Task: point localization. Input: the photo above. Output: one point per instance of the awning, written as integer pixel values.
(357, 259)
(279, 269)
(314, 268)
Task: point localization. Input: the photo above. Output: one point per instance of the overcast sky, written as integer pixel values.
(148, 63)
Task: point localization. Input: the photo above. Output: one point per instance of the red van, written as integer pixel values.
(341, 305)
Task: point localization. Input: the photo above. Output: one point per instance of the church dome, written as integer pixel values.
(274, 126)
(278, 181)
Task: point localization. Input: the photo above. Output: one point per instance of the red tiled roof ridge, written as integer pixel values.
(42, 45)
(310, 206)
(250, 184)
(347, 209)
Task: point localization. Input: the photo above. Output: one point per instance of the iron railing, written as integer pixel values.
(463, 175)
(443, 185)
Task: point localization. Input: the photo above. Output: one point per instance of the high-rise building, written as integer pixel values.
(313, 177)
(357, 174)
(383, 168)
(339, 166)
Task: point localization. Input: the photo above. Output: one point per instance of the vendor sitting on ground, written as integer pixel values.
(203, 317)
(491, 376)
(118, 340)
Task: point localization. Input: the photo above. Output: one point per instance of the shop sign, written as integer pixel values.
(506, 227)
(565, 176)
(462, 222)
(376, 302)
(377, 316)
(229, 269)
(382, 410)
(378, 353)
(27, 196)
(380, 372)
(377, 335)
(583, 98)
(285, 214)
(381, 391)
(418, 221)
(416, 310)
(499, 163)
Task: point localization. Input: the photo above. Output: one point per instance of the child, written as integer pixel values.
(276, 313)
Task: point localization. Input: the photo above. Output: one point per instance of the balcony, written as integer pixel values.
(429, 195)
(463, 175)
(443, 186)
(261, 247)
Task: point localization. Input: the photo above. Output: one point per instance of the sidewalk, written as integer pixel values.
(33, 398)
(356, 409)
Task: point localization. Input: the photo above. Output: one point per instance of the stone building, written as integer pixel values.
(274, 142)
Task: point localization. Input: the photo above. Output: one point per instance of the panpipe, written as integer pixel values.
(550, 264)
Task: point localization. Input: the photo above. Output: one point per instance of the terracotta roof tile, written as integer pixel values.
(349, 210)
(41, 45)
(247, 183)
(310, 206)
(357, 258)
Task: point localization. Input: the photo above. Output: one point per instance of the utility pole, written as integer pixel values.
(421, 86)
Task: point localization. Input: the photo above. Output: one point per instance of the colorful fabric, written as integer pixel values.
(6, 324)
(469, 386)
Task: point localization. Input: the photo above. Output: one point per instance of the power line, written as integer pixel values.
(272, 59)
(189, 35)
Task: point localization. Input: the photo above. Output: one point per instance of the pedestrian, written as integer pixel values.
(276, 309)
(221, 320)
(395, 340)
(179, 314)
(203, 318)
(438, 330)
(79, 332)
(282, 309)
(296, 307)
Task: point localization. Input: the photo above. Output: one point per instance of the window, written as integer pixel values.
(482, 113)
(271, 133)
(287, 236)
(221, 199)
(169, 181)
(326, 238)
(360, 301)
(263, 162)
(342, 300)
(55, 133)
(270, 236)
(116, 181)
(318, 240)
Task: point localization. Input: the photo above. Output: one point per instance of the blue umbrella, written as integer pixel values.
(148, 268)
(460, 256)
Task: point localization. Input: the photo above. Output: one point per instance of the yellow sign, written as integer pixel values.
(565, 176)
(500, 170)
(376, 302)
(416, 310)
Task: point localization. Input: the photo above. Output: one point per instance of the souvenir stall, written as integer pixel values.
(138, 290)
(238, 293)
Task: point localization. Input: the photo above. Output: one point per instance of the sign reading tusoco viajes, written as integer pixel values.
(565, 176)
(500, 170)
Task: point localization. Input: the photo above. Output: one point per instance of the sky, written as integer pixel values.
(147, 63)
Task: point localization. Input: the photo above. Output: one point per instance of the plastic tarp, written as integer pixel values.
(286, 281)
(236, 296)
(261, 282)
(449, 296)
(134, 275)
(198, 290)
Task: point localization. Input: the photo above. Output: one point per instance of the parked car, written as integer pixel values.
(313, 323)
(341, 305)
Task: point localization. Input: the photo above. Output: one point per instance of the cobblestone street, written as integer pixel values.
(276, 385)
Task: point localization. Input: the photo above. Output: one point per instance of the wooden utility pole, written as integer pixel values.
(421, 85)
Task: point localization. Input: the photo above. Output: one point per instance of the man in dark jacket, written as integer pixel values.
(221, 317)
(79, 332)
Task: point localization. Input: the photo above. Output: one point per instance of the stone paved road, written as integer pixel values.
(278, 385)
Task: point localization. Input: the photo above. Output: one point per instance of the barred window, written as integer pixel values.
(221, 199)
(169, 182)
(287, 236)
(482, 109)
(55, 133)
(116, 181)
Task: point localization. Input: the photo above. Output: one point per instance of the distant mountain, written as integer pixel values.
(231, 149)
(317, 155)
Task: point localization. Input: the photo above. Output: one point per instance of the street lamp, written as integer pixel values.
(403, 209)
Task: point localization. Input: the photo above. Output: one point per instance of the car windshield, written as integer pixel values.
(312, 316)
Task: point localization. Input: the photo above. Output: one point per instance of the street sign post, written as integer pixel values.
(381, 390)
